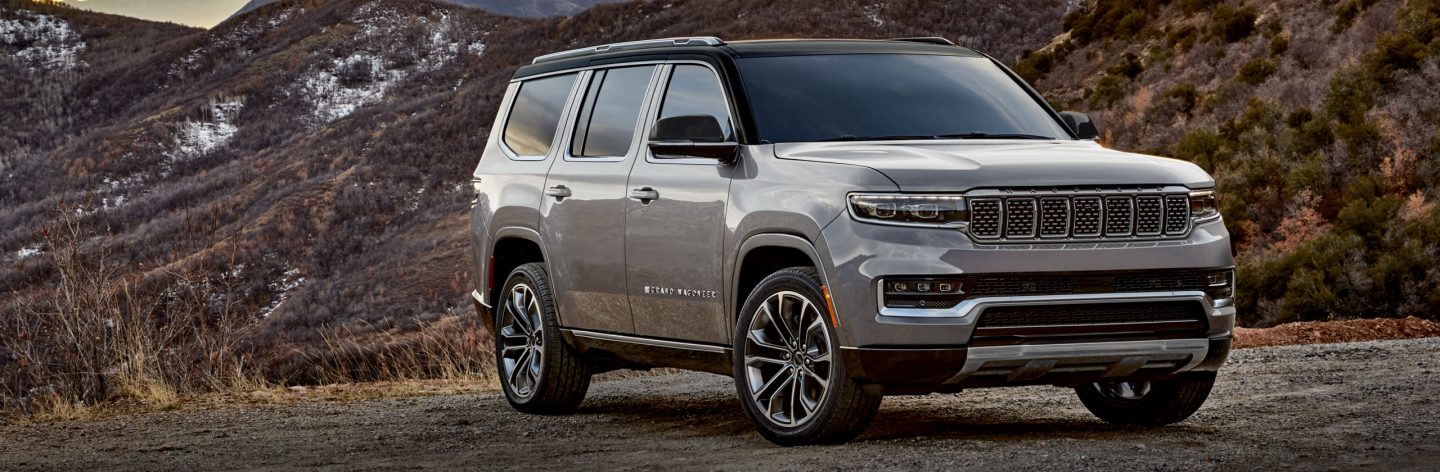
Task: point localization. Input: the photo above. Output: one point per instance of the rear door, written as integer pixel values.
(583, 212)
(673, 240)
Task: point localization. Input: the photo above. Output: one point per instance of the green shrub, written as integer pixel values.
(1185, 36)
(1180, 99)
(1278, 45)
(1109, 90)
(1346, 13)
(1256, 71)
(1129, 66)
(1201, 146)
(1229, 24)
(1191, 7)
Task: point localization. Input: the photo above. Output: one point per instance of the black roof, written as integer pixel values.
(751, 48)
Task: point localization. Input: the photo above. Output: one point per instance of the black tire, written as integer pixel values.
(559, 382)
(843, 410)
(1166, 402)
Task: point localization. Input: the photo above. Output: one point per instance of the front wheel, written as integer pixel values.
(538, 371)
(788, 370)
(1152, 403)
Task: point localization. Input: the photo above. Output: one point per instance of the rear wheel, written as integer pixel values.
(538, 371)
(1152, 403)
(788, 370)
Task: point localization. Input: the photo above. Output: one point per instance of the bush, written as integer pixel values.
(1109, 90)
(1279, 44)
(1346, 13)
(1229, 24)
(1256, 71)
(1129, 66)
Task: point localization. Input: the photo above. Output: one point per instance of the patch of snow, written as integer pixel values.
(198, 138)
(46, 42)
(289, 281)
(333, 99)
(872, 12)
(28, 252)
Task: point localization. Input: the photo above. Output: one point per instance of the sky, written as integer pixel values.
(201, 13)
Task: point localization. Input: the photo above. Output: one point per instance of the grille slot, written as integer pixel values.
(985, 218)
(1118, 214)
(1019, 217)
(1149, 213)
(1094, 313)
(1054, 217)
(1087, 217)
(1177, 214)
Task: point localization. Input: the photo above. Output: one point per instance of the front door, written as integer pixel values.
(583, 214)
(675, 223)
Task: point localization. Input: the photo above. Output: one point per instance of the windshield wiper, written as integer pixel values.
(896, 137)
(982, 135)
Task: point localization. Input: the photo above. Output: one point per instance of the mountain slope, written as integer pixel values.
(312, 157)
(1320, 121)
(521, 8)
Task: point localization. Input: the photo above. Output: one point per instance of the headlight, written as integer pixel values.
(1202, 206)
(910, 210)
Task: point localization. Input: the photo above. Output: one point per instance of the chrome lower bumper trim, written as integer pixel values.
(964, 313)
(475, 294)
(1114, 359)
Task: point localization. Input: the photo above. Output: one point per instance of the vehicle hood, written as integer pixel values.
(957, 166)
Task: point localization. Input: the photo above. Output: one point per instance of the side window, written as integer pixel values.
(530, 129)
(695, 90)
(606, 126)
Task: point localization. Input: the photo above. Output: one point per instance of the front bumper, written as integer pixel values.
(929, 350)
(921, 371)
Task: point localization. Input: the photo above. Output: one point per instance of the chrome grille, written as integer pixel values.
(1080, 214)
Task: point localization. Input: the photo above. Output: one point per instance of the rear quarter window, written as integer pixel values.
(535, 115)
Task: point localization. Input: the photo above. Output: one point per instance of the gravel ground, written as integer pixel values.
(1317, 407)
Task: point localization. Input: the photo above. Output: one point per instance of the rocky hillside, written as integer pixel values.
(525, 8)
(311, 157)
(1320, 120)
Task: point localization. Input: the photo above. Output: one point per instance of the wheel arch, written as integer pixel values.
(511, 248)
(763, 254)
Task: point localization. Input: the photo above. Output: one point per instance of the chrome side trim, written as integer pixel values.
(645, 341)
(1048, 356)
(966, 311)
(475, 294)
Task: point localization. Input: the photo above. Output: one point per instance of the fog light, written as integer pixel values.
(922, 293)
(1220, 285)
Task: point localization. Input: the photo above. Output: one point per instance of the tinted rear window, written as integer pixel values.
(612, 108)
(530, 129)
(857, 96)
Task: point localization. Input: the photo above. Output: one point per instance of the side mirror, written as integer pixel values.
(679, 137)
(1080, 123)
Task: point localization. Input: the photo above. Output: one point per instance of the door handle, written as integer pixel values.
(645, 195)
(558, 191)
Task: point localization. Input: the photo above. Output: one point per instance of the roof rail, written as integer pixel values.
(646, 44)
(927, 39)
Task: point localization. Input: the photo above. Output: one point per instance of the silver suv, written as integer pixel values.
(832, 221)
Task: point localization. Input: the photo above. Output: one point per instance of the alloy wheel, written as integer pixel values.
(522, 344)
(788, 359)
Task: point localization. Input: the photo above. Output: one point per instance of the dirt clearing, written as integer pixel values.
(1328, 406)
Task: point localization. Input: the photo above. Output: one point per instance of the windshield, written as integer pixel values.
(857, 97)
